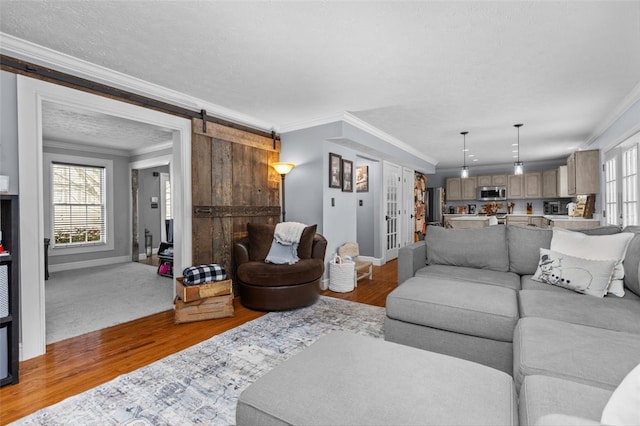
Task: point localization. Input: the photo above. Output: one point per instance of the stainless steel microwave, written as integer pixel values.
(492, 193)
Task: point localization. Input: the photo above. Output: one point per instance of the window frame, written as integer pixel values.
(617, 153)
(82, 248)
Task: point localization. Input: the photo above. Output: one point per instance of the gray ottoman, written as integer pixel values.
(459, 318)
(347, 379)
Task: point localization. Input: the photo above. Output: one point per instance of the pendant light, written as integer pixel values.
(518, 166)
(464, 172)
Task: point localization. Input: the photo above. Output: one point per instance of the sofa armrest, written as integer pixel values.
(319, 247)
(241, 252)
(410, 259)
(565, 420)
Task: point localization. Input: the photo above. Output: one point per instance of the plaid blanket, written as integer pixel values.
(201, 274)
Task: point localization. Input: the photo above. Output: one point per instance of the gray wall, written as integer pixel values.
(121, 207)
(149, 186)
(9, 129)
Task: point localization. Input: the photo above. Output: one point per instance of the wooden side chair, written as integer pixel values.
(363, 269)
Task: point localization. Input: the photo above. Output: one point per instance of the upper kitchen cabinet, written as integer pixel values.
(550, 183)
(583, 175)
(469, 188)
(533, 185)
(454, 189)
(461, 189)
(515, 186)
(563, 184)
(492, 180)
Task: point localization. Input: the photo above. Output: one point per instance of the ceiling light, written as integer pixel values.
(464, 172)
(518, 166)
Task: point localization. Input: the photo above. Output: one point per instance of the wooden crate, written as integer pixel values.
(196, 292)
(203, 309)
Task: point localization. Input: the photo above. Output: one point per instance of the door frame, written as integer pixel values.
(30, 94)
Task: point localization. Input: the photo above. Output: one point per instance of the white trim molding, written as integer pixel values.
(627, 102)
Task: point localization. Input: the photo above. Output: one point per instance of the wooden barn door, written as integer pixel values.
(232, 184)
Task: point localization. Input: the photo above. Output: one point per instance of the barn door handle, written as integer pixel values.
(387, 218)
(208, 211)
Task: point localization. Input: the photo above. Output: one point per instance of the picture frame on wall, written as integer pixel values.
(362, 178)
(335, 170)
(347, 176)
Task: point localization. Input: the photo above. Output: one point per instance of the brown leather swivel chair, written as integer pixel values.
(270, 287)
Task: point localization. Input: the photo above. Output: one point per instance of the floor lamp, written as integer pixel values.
(283, 169)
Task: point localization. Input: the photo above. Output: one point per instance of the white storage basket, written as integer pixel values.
(342, 277)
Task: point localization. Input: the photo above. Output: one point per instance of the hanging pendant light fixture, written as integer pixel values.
(464, 172)
(518, 166)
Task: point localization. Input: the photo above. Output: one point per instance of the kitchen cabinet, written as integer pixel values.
(563, 184)
(573, 224)
(526, 220)
(533, 185)
(454, 189)
(499, 180)
(515, 187)
(583, 175)
(492, 180)
(550, 184)
(469, 188)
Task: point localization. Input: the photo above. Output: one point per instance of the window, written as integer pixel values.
(79, 207)
(611, 192)
(622, 186)
(630, 186)
(79, 204)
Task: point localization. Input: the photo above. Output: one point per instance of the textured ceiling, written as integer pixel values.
(64, 123)
(420, 71)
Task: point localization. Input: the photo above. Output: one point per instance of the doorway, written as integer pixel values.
(31, 95)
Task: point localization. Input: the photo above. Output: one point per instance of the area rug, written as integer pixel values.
(83, 300)
(201, 384)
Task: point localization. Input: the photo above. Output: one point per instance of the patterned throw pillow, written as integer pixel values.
(580, 275)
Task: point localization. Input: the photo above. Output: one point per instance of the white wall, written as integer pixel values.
(9, 129)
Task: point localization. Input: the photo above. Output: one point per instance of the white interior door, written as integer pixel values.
(408, 207)
(393, 197)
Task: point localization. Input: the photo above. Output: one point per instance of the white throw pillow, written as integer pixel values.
(595, 247)
(586, 276)
(623, 407)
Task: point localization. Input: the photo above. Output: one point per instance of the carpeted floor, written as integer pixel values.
(201, 384)
(84, 300)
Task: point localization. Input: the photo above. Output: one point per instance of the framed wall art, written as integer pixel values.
(335, 170)
(347, 176)
(362, 178)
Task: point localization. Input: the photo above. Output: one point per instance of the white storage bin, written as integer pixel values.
(4, 291)
(342, 277)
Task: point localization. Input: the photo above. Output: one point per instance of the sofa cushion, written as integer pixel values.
(589, 355)
(611, 313)
(347, 379)
(481, 310)
(484, 276)
(524, 247)
(595, 247)
(543, 395)
(632, 261)
(260, 239)
(268, 274)
(591, 277)
(484, 248)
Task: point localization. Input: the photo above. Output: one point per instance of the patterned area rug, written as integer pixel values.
(201, 384)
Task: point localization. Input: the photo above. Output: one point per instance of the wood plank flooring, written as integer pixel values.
(75, 365)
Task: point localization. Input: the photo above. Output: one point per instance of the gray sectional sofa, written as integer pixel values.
(470, 294)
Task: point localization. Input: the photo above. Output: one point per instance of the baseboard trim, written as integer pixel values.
(375, 260)
(88, 263)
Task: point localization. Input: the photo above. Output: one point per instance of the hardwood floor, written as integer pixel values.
(75, 365)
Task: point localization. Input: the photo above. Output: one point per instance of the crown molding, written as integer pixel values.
(153, 148)
(21, 49)
(627, 102)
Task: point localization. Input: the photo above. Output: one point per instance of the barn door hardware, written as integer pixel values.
(203, 113)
